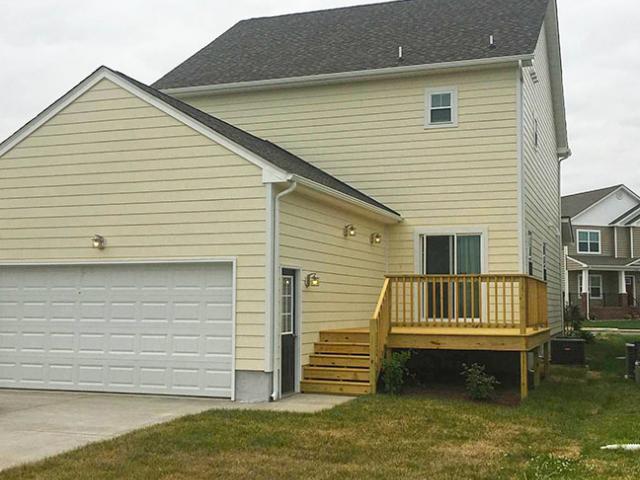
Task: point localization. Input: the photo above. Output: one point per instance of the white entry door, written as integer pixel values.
(145, 328)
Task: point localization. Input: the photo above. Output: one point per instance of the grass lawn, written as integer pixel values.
(555, 434)
(627, 324)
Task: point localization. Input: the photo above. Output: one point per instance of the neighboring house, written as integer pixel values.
(227, 231)
(601, 234)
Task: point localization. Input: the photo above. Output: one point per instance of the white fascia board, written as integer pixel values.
(577, 261)
(388, 216)
(270, 172)
(345, 76)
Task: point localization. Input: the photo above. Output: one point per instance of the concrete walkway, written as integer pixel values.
(35, 425)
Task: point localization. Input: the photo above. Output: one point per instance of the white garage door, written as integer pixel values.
(163, 329)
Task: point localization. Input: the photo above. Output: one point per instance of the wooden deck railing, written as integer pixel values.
(468, 301)
(455, 301)
(379, 328)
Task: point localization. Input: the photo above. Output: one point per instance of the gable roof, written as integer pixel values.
(574, 204)
(266, 152)
(363, 38)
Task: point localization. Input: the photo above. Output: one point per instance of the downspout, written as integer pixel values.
(275, 275)
(562, 156)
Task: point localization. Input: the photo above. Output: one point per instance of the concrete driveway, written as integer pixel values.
(35, 425)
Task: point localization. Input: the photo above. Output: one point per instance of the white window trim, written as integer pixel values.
(483, 231)
(453, 91)
(599, 252)
(592, 275)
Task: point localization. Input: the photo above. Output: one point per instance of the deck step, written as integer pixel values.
(354, 336)
(336, 388)
(332, 360)
(335, 373)
(347, 348)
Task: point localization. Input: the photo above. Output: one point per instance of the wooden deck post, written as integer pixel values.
(537, 367)
(547, 359)
(524, 386)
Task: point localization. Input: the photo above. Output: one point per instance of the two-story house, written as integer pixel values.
(303, 194)
(601, 234)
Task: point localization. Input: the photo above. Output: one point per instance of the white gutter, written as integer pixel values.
(274, 274)
(343, 76)
(564, 154)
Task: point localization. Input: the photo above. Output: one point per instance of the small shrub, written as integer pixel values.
(480, 385)
(628, 316)
(395, 371)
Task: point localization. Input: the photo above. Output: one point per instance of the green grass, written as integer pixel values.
(555, 434)
(626, 324)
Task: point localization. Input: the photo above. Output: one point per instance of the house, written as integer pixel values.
(601, 234)
(303, 194)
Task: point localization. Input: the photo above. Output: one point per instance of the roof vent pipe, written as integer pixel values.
(400, 53)
(492, 41)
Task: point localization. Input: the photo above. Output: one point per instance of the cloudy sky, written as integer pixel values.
(46, 47)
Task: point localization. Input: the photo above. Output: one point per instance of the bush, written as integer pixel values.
(395, 371)
(573, 322)
(480, 385)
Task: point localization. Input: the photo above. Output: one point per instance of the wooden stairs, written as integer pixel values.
(339, 364)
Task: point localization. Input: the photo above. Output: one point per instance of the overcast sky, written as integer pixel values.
(47, 46)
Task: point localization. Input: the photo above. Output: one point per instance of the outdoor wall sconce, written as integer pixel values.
(99, 242)
(312, 280)
(349, 231)
(376, 238)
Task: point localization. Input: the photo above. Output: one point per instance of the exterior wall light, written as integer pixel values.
(349, 231)
(99, 242)
(312, 280)
(375, 239)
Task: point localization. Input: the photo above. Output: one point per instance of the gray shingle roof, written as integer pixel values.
(572, 205)
(361, 38)
(270, 152)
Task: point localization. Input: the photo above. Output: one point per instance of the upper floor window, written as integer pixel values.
(536, 133)
(589, 241)
(442, 107)
(545, 273)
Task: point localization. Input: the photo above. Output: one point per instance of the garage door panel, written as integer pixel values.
(146, 328)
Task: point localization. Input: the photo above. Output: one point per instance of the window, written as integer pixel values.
(589, 241)
(441, 108)
(451, 254)
(536, 134)
(530, 253)
(595, 286)
(544, 261)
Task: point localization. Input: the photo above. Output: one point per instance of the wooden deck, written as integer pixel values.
(454, 338)
(495, 313)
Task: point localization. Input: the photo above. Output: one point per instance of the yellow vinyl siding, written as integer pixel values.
(541, 178)
(351, 269)
(111, 164)
(372, 135)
